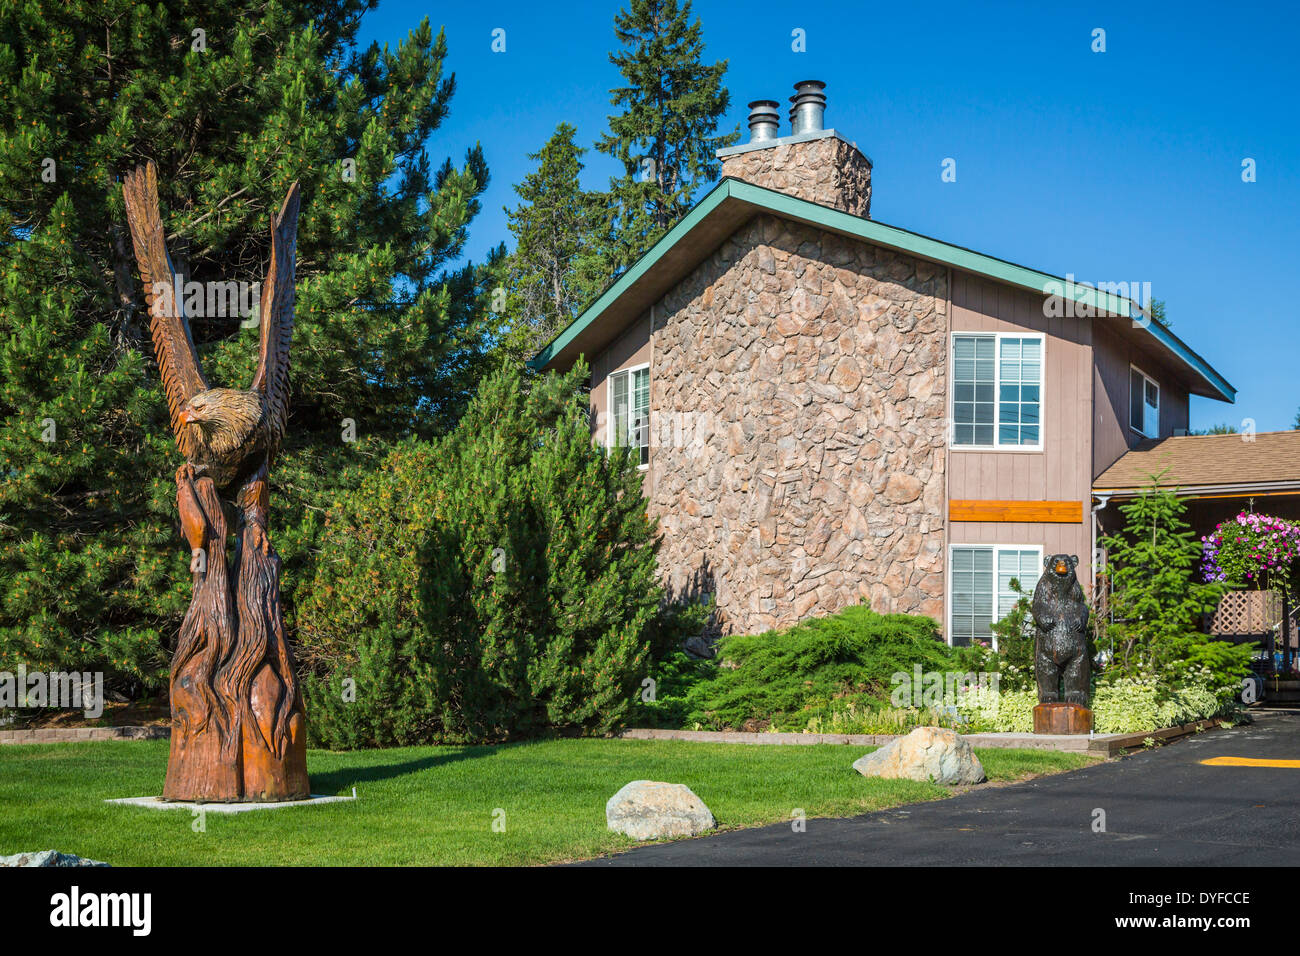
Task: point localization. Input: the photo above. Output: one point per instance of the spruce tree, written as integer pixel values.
(233, 100)
(551, 274)
(1156, 597)
(667, 133)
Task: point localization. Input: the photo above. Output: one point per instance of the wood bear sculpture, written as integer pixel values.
(1061, 639)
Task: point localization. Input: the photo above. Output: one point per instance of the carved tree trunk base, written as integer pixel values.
(239, 732)
(274, 727)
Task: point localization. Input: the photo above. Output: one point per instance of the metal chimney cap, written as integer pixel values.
(764, 120)
(808, 106)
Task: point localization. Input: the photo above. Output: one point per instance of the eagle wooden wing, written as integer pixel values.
(178, 362)
(272, 378)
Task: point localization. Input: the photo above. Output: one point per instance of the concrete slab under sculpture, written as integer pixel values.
(157, 803)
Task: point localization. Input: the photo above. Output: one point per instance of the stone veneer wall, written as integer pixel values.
(798, 400)
(827, 171)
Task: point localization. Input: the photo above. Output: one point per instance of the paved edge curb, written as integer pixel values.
(74, 735)
(1105, 746)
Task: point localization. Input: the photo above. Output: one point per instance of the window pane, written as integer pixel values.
(973, 389)
(1031, 360)
(1018, 392)
(1020, 564)
(639, 436)
(1135, 414)
(620, 409)
(972, 594)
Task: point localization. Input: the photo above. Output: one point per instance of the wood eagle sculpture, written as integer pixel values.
(238, 725)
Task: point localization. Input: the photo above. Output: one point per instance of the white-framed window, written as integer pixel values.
(629, 412)
(997, 399)
(1143, 403)
(979, 587)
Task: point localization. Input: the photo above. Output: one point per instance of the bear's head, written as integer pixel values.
(1061, 566)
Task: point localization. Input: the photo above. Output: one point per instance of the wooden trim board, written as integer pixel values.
(1056, 512)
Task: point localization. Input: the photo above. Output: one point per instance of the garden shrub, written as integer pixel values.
(1011, 711)
(497, 584)
(673, 671)
(867, 716)
(1130, 705)
(784, 677)
(1126, 705)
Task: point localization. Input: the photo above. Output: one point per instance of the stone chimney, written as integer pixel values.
(812, 162)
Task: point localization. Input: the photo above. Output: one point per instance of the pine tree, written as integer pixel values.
(551, 274)
(666, 135)
(233, 100)
(518, 581)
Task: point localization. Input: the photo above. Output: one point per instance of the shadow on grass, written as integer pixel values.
(339, 780)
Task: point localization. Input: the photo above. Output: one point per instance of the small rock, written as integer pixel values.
(699, 647)
(931, 754)
(47, 858)
(648, 810)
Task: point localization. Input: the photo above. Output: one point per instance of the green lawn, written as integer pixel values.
(435, 805)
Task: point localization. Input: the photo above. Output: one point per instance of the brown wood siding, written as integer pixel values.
(1113, 354)
(630, 349)
(1058, 473)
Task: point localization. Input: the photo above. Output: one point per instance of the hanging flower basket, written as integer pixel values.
(1252, 551)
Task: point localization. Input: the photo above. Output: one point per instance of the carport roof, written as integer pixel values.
(1209, 464)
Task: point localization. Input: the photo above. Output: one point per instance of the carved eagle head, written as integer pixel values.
(220, 420)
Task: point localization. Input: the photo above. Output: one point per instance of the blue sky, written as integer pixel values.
(1122, 165)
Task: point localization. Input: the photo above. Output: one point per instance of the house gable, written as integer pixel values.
(797, 423)
(732, 203)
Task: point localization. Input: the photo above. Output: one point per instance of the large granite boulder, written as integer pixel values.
(47, 858)
(648, 810)
(929, 754)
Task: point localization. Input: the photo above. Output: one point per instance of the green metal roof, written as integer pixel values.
(733, 202)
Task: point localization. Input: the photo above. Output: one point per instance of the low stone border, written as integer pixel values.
(75, 735)
(1102, 744)
(1105, 745)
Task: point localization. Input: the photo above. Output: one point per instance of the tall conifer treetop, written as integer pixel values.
(666, 135)
(233, 101)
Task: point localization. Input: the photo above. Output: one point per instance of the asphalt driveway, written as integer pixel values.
(1161, 807)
